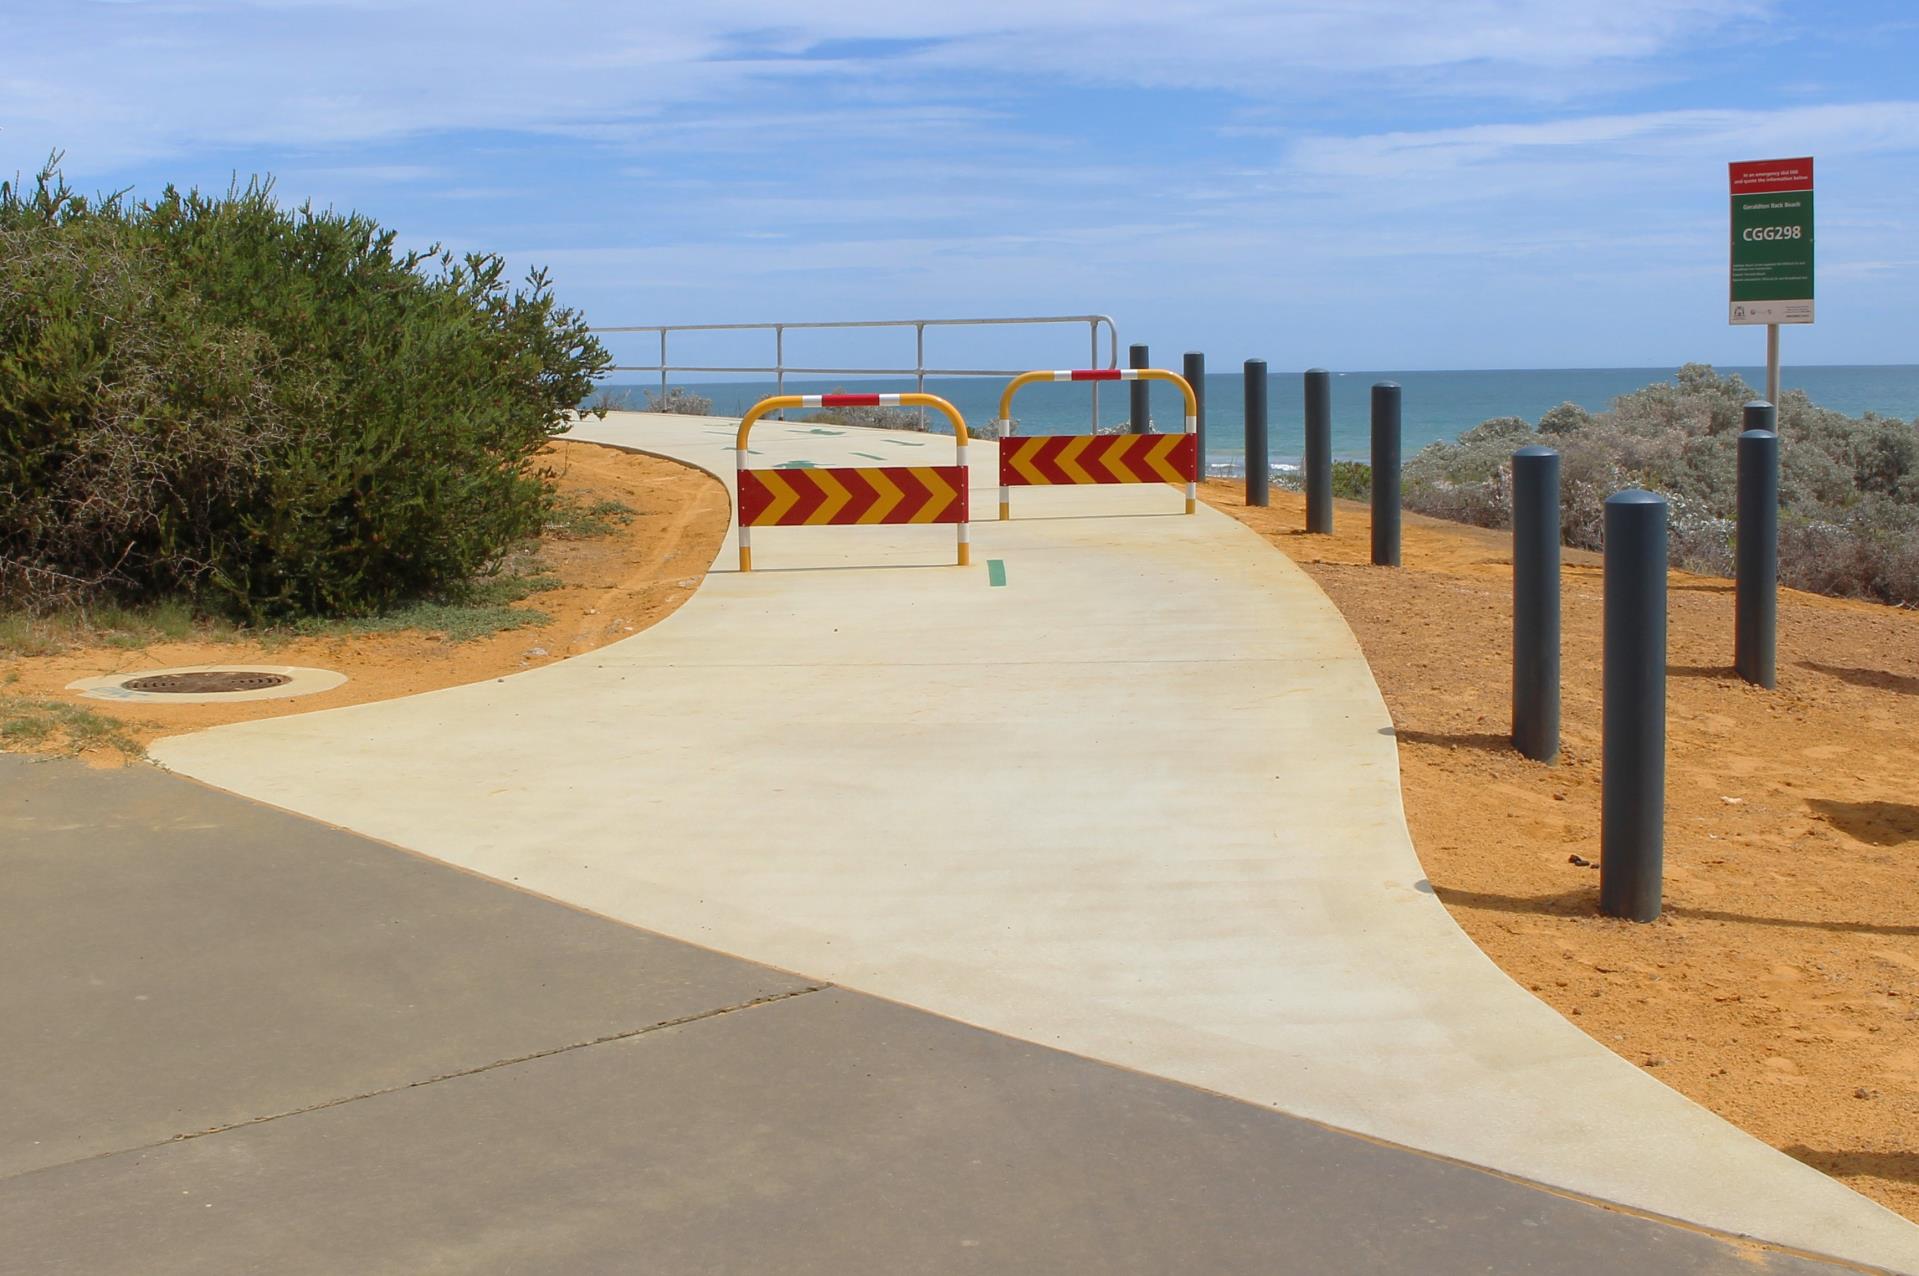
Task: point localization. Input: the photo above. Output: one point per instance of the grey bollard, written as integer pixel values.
(1319, 449)
(1142, 420)
(1632, 803)
(1256, 459)
(1536, 603)
(1318, 460)
(1385, 474)
(1193, 368)
(1755, 640)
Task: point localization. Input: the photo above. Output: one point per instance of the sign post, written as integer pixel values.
(1771, 262)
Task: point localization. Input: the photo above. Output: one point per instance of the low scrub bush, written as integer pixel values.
(1849, 487)
(38, 724)
(1352, 480)
(273, 412)
(679, 401)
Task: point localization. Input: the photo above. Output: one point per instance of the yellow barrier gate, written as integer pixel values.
(851, 495)
(1045, 460)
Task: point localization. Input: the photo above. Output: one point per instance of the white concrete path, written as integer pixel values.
(1139, 803)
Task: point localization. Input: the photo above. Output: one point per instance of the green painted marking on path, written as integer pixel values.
(995, 572)
(826, 431)
(903, 443)
(871, 456)
(794, 465)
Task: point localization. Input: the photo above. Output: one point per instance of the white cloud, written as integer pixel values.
(1661, 136)
(118, 82)
(1347, 161)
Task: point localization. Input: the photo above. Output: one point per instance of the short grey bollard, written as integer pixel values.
(1632, 804)
(1318, 460)
(1536, 603)
(1256, 459)
(1193, 368)
(1142, 420)
(1755, 638)
(1385, 474)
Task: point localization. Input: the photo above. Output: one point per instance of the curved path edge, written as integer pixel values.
(1133, 795)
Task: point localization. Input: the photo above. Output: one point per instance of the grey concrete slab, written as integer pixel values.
(828, 1133)
(173, 959)
(899, 777)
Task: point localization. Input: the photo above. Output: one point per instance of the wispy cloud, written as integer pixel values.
(1688, 136)
(117, 82)
(1361, 172)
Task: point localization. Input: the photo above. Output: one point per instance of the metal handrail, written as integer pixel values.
(919, 371)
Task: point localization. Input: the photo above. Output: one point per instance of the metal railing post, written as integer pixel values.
(1095, 364)
(1256, 461)
(1632, 797)
(664, 368)
(1536, 603)
(1318, 460)
(1755, 640)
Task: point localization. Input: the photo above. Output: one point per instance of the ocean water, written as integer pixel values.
(1433, 405)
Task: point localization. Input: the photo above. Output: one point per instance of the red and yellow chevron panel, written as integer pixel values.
(1042, 460)
(839, 496)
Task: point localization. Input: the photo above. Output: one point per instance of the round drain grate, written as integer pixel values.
(207, 682)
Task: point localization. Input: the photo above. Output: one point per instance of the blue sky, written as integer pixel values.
(1368, 184)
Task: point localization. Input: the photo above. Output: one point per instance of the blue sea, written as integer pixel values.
(1434, 405)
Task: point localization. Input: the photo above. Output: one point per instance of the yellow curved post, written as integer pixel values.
(780, 402)
(1101, 374)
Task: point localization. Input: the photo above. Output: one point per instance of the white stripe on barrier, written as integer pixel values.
(1192, 425)
(1065, 374)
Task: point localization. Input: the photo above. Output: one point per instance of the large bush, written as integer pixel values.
(276, 412)
(1849, 487)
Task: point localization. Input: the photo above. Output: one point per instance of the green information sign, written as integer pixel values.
(1772, 242)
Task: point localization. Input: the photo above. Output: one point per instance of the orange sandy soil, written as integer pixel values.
(612, 587)
(1781, 986)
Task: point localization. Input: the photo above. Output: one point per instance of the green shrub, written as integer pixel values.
(275, 412)
(571, 518)
(1352, 480)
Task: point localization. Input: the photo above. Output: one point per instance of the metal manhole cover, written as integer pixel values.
(208, 682)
